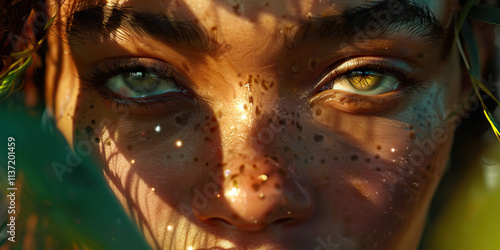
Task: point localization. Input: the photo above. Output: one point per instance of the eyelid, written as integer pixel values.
(113, 67)
(403, 71)
(95, 79)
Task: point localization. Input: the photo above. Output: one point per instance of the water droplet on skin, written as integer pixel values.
(169, 228)
(153, 189)
(132, 161)
(262, 196)
(263, 177)
(158, 129)
(393, 150)
(178, 143)
(354, 157)
(227, 172)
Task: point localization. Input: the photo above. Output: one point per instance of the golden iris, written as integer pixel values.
(365, 80)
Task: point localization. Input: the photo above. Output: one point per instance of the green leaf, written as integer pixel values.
(484, 89)
(463, 13)
(8, 82)
(487, 14)
(471, 46)
(23, 54)
(49, 22)
(494, 124)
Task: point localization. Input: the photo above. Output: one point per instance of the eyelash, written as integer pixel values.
(404, 73)
(382, 66)
(96, 78)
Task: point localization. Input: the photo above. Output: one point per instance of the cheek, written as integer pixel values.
(148, 160)
(379, 173)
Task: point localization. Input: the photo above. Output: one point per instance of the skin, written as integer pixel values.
(338, 173)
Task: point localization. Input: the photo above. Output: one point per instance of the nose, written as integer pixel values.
(256, 192)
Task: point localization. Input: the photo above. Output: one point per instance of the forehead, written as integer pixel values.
(255, 10)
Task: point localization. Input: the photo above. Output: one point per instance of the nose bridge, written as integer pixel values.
(256, 187)
(244, 118)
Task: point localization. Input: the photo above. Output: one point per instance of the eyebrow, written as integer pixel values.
(370, 21)
(99, 21)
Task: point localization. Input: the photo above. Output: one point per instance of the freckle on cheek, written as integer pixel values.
(354, 157)
(318, 138)
(89, 131)
(412, 135)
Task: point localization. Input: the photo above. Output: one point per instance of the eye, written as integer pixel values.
(138, 84)
(367, 84)
(144, 85)
(368, 76)
(364, 82)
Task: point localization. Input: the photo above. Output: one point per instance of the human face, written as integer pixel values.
(262, 124)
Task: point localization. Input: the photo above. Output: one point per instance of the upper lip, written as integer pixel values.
(215, 248)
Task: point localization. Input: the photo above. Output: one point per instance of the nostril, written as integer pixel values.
(218, 221)
(284, 221)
